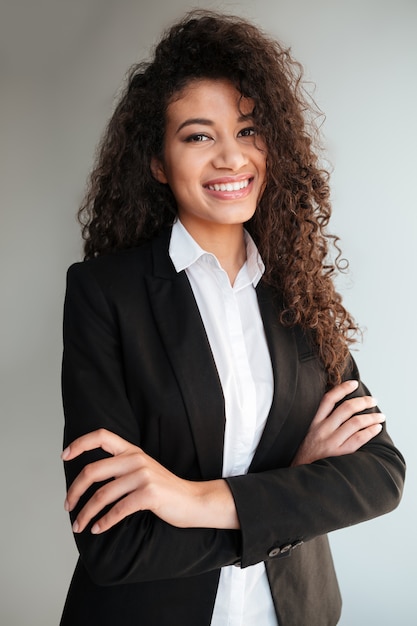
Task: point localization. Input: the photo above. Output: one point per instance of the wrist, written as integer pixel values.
(216, 505)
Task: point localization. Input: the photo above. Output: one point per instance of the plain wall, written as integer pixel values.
(56, 95)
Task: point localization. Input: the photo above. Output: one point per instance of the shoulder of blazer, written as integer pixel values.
(149, 258)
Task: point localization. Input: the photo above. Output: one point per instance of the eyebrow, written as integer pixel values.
(206, 122)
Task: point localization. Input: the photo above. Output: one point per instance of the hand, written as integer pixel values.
(337, 431)
(140, 483)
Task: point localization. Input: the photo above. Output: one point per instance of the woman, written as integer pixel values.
(216, 427)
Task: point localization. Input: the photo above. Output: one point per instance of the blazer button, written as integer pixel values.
(274, 552)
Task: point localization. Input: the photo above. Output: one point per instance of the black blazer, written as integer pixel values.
(137, 362)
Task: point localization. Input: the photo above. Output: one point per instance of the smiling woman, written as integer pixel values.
(214, 164)
(215, 421)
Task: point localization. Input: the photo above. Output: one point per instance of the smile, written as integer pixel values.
(237, 186)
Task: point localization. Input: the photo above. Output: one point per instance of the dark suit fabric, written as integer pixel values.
(137, 362)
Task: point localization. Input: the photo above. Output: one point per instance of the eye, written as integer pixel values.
(197, 138)
(247, 132)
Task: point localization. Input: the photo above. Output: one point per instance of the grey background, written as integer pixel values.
(61, 65)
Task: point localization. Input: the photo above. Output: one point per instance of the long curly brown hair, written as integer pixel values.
(125, 205)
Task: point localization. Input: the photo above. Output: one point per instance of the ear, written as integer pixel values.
(158, 171)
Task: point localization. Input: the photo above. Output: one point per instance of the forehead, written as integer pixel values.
(216, 96)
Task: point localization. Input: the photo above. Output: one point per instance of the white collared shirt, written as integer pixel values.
(236, 335)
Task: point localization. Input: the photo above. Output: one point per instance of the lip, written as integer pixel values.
(223, 180)
(236, 194)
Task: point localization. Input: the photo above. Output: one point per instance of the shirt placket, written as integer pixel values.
(240, 427)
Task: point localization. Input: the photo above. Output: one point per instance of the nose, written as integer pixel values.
(230, 154)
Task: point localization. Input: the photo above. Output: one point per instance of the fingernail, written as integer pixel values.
(65, 453)
(66, 505)
(75, 527)
(95, 529)
(354, 383)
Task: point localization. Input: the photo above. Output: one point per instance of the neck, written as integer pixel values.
(225, 241)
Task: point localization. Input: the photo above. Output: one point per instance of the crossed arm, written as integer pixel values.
(184, 528)
(138, 482)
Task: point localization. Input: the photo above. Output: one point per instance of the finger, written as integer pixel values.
(359, 423)
(349, 408)
(122, 509)
(106, 495)
(99, 471)
(360, 438)
(332, 397)
(101, 438)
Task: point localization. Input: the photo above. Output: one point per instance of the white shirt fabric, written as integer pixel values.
(236, 335)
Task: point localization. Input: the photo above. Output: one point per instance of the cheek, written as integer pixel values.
(182, 166)
(262, 167)
(259, 157)
(262, 173)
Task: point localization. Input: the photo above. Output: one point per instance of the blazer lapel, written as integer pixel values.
(284, 358)
(182, 331)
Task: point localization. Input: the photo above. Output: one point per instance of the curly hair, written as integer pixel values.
(125, 205)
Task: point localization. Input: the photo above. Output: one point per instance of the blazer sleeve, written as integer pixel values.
(142, 547)
(280, 509)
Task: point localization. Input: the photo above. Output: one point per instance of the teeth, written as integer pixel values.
(230, 186)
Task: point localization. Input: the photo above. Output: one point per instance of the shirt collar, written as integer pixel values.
(185, 251)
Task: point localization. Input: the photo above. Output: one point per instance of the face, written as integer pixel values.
(213, 160)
